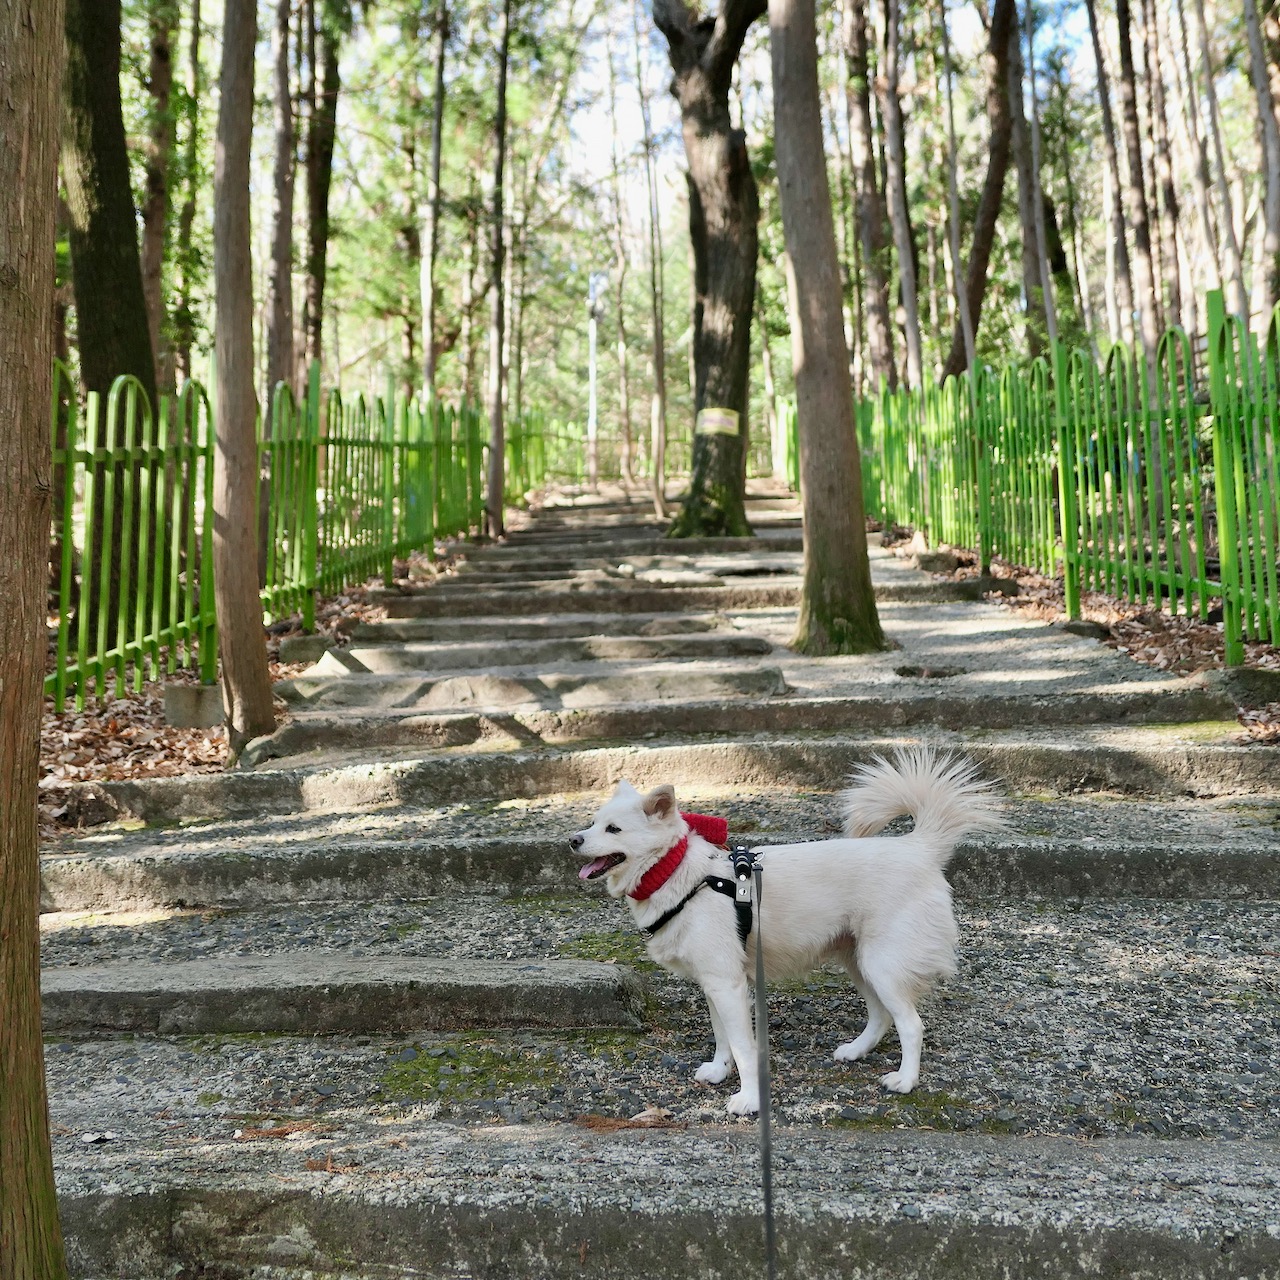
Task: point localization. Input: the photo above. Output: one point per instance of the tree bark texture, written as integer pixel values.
(1123, 291)
(162, 22)
(497, 440)
(246, 682)
(1000, 123)
(111, 310)
(280, 358)
(31, 58)
(1144, 280)
(431, 214)
(837, 606)
(873, 215)
(724, 209)
(320, 140)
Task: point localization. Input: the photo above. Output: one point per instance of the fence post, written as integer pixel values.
(388, 449)
(208, 602)
(981, 472)
(1224, 470)
(1068, 519)
(310, 469)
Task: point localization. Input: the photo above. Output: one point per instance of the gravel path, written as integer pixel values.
(1111, 1019)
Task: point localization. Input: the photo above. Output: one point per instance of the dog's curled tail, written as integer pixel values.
(941, 792)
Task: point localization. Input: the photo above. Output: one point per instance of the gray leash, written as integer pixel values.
(762, 1065)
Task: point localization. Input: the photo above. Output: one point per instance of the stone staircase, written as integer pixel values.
(348, 1011)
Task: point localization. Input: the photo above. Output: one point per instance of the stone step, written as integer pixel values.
(740, 564)
(364, 713)
(409, 1198)
(497, 631)
(1072, 849)
(598, 685)
(628, 598)
(314, 992)
(386, 659)
(1139, 761)
(609, 544)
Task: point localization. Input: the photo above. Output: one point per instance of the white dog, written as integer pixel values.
(879, 906)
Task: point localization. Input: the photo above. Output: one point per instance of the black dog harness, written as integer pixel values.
(739, 889)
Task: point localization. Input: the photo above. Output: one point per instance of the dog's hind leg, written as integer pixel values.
(717, 1069)
(878, 1018)
(886, 980)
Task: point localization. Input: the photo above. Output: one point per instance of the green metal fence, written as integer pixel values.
(1151, 484)
(350, 485)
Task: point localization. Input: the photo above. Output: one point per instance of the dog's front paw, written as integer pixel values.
(898, 1082)
(853, 1051)
(744, 1103)
(712, 1072)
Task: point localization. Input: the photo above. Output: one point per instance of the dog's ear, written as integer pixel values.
(624, 788)
(660, 802)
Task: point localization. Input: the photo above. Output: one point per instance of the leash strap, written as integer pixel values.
(762, 1064)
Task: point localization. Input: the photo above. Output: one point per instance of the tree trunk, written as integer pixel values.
(1037, 325)
(162, 19)
(31, 55)
(1200, 179)
(1237, 298)
(1117, 245)
(497, 444)
(320, 140)
(657, 293)
(280, 358)
(999, 145)
(837, 606)
(963, 319)
(621, 265)
(470, 254)
(1167, 217)
(896, 167)
(184, 315)
(1144, 282)
(724, 210)
(873, 216)
(246, 682)
(111, 310)
(431, 215)
(1270, 161)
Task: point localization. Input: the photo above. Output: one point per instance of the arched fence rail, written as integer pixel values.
(349, 485)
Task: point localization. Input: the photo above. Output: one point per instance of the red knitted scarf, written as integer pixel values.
(714, 830)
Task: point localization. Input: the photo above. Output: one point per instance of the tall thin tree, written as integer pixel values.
(31, 55)
(1269, 275)
(873, 216)
(246, 682)
(1116, 244)
(999, 145)
(430, 237)
(1144, 280)
(657, 292)
(162, 21)
(495, 507)
(896, 171)
(837, 604)
(279, 308)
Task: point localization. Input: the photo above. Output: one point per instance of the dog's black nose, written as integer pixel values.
(576, 842)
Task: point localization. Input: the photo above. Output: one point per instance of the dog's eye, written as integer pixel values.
(613, 828)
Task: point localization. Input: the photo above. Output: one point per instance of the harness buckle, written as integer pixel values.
(743, 860)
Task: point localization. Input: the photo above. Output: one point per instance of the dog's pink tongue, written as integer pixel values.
(592, 867)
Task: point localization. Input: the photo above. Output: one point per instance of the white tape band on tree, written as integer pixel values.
(717, 422)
